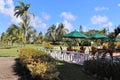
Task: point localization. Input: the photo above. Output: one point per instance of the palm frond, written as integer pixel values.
(21, 3)
(17, 8)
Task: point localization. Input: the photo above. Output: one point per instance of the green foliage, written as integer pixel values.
(86, 43)
(103, 68)
(48, 45)
(116, 70)
(38, 63)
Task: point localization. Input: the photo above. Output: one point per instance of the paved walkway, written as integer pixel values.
(6, 69)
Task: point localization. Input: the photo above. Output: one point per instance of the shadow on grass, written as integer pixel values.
(70, 71)
(22, 72)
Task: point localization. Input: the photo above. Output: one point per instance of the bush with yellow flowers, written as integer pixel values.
(38, 63)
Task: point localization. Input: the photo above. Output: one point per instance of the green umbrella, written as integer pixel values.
(75, 34)
(97, 36)
(116, 40)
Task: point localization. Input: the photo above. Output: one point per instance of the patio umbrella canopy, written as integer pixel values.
(116, 40)
(75, 34)
(97, 36)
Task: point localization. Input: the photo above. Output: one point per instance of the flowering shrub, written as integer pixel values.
(38, 63)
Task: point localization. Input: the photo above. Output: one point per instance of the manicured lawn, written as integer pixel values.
(14, 51)
(8, 52)
(72, 72)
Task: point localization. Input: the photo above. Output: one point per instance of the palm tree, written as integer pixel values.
(22, 11)
(12, 31)
(51, 33)
(39, 38)
(60, 31)
(81, 29)
(24, 31)
(5, 38)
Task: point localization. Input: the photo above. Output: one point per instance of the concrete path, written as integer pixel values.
(6, 69)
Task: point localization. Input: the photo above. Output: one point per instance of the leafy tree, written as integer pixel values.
(90, 32)
(5, 38)
(51, 33)
(22, 11)
(117, 30)
(40, 38)
(103, 31)
(12, 32)
(60, 31)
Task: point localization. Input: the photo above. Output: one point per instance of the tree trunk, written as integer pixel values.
(24, 38)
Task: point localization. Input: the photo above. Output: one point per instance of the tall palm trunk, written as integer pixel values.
(24, 37)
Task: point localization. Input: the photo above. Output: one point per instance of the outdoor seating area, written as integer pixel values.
(84, 53)
(77, 57)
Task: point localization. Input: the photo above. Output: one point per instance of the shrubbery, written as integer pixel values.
(39, 63)
(103, 68)
(48, 45)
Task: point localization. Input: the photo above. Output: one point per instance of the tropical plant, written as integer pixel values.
(12, 31)
(117, 30)
(40, 38)
(22, 11)
(5, 38)
(90, 32)
(51, 33)
(60, 31)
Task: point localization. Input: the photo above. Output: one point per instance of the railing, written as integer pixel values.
(75, 57)
(68, 56)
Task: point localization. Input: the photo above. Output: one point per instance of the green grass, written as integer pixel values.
(72, 72)
(8, 52)
(14, 50)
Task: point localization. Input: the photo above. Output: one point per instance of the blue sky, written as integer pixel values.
(91, 14)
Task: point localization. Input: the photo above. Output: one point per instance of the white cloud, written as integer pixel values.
(57, 24)
(99, 19)
(68, 25)
(109, 26)
(119, 5)
(37, 23)
(85, 28)
(45, 16)
(7, 8)
(101, 8)
(68, 16)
